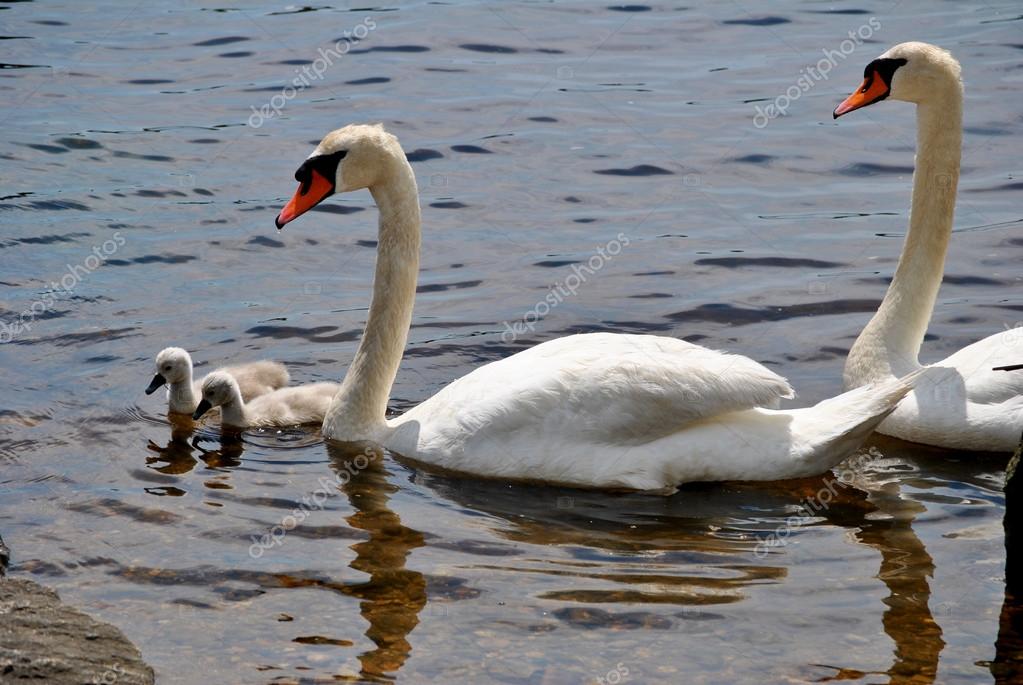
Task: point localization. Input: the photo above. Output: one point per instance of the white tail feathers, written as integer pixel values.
(843, 423)
(876, 399)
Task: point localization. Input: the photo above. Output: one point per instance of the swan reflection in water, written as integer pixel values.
(698, 528)
(393, 596)
(906, 569)
(699, 525)
(178, 455)
(692, 551)
(695, 527)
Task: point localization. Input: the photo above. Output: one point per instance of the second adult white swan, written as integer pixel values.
(960, 402)
(595, 410)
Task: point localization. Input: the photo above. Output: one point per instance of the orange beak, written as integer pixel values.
(305, 198)
(870, 91)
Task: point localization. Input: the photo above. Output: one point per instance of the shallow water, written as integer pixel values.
(540, 132)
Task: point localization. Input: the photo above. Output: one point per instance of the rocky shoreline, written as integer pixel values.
(42, 640)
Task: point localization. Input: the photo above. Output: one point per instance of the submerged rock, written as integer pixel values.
(43, 640)
(1014, 526)
(5, 557)
(1007, 667)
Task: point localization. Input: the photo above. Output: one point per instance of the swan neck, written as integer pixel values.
(182, 399)
(360, 406)
(233, 413)
(890, 344)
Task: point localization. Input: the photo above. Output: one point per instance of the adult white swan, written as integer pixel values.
(960, 402)
(596, 410)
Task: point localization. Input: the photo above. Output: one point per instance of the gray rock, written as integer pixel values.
(43, 640)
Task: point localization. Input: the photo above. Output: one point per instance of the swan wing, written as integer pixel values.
(292, 406)
(601, 388)
(258, 378)
(976, 364)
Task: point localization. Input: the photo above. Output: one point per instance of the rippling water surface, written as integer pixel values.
(146, 149)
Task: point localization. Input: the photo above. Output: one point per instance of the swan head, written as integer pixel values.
(173, 365)
(911, 72)
(218, 388)
(351, 158)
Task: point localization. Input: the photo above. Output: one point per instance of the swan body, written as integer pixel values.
(593, 410)
(174, 368)
(636, 412)
(294, 406)
(959, 402)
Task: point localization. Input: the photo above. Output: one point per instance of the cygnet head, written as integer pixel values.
(218, 388)
(911, 72)
(173, 365)
(351, 158)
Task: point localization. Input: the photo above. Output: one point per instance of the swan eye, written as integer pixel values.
(885, 68)
(325, 165)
